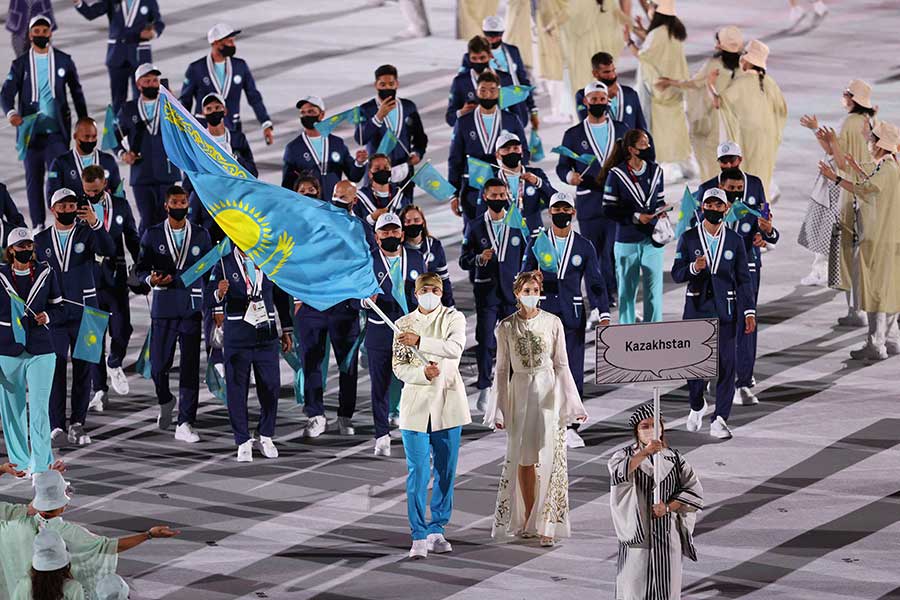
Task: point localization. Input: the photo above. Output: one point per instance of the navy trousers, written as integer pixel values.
(42, 149)
(381, 374)
(115, 302)
(746, 344)
(64, 336)
(486, 349)
(725, 384)
(263, 359)
(164, 334)
(150, 200)
(119, 78)
(602, 233)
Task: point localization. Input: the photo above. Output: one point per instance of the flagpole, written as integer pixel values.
(368, 302)
(408, 181)
(657, 462)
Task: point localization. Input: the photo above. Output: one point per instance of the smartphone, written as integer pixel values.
(164, 82)
(668, 208)
(81, 203)
(765, 211)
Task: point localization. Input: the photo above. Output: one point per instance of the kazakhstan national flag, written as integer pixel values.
(545, 252)
(689, 206)
(587, 159)
(89, 346)
(108, 140)
(24, 133)
(429, 179)
(514, 218)
(312, 250)
(353, 116)
(511, 95)
(739, 210)
(17, 310)
(388, 142)
(142, 365)
(535, 147)
(479, 172)
(209, 260)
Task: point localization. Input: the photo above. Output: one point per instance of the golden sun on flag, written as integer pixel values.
(245, 225)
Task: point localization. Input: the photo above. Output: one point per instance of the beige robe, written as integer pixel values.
(551, 14)
(706, 131)
(589, 30)
(663, 56)
(852, 139)
(470, 14)
(755, 119)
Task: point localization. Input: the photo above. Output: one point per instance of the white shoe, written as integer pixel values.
(267, 447)
(394, 421)
(58, 438)
(419, 549)
(752, 381)
(814, 279)
(719, 429)
(315, 426)
(118, 380)
(345, 426)
(695, 418)
(797, 14)
(746, 397)
(820, 8)
(186, 433)
(164, 419)
(98, 401)
(573, 440)
(77, 435)
(869, 352)
(853, 319)
(383, 446)
(482, 402)
(245, 451)
(437, 543)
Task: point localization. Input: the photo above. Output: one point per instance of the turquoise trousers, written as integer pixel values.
(22, 419)
(637, 263)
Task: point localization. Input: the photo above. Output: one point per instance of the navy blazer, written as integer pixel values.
(200, 80)
(628, 109)
(409, 130)
(22, 11)
(589, 193)
(5, 228)
(562, 290)
(724, 288)
(379, 336)
(462, 90)
(22, 83)
(118, 220)
(367, 203)
(627, 193)
(41, 295)
(435, 258)
(159, 253)
(493, 281)
(513, 57)
(299, 158)
(239, 333)
(145, 138)
(8, 209)
(65, 172)
(532, 199)
(124, 46)
(76, 263)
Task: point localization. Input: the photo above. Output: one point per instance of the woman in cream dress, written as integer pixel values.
(534, 406)
(592, 27)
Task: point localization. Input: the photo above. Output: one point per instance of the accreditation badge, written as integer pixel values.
(256, 313)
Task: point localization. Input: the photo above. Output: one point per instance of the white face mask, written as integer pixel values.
(529, 301)
(429, 301)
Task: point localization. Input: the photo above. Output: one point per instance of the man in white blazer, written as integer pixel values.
(433, 409)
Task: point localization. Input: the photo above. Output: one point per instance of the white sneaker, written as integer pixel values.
(394, 421)
(797, 14)
(315, 426)
(437, 543)
(820, 8)
(482, 402)
(245, 451)
(695, 418)
(746, 397)
(118, 380)
(573, 440)
(77, 435)
(164, 419)
(345, 426)
(58, 438)
(186, 433)
(719, 429)
(383, 447)
(267, 447)
(753, 381)
(869, 352)
(419, 549)
(815, 278)
(98, 401)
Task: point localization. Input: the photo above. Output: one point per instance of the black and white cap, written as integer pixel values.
(386, 219)
(562, 198)
(644, 411)
(212, 97)
(37, 19)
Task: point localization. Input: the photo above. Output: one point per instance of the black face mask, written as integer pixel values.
(390, 244)
(381, 177)
(487, 102)
(608, 82)
(497, 205)
(386, 93)
(598, 110)
(713, 216)
(178, 213)
(645, 153)
(479, 67)
(341, 205)
(93, 198)
(413, 231)
(734, 196)
(150, 93)
(214, 118)
(511, 160)
(561, 220)
(227, 51)
(497, 44)
(308, 121)
(66, 218)
(41, 41)
(87, 147)
(23, 256)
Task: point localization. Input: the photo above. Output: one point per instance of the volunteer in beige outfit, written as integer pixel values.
(879, 244)
(470, 14)
(592, 26)
(433, 409)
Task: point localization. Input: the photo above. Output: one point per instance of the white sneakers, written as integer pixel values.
(869, 353)
(58, 438)
(77, 435)
(383, 447)
(482, 402)
(437, 543)
(245, 451)
(315, 426)
(164, 419)
(98, 401)
(695, 418)
(820, 8)
(419, 549)
(345, 426)
(267, 447)
(746, 397)
(719, 429)
(573, 440)
(118, 380)
(815, 278)
(186, 433)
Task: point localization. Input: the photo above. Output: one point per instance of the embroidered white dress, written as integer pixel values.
(534, 397)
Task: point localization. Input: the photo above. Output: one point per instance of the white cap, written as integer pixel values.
(49, 491)
(507, 137)
(210, 97)
(61, 195)
(37, 19)
(595, 86)
(314, 100)
(728, 149)
(49, 551)
(220, 31)
(562, 198)
(112, 587)
(19, 235)
(146, 69)
(386, 219)
(718, 193)
(492, 23)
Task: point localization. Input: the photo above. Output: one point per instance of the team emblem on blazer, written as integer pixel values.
(751, 200)
(237, 79)
(72, 173)
(336, 156)
(409, 120)
(470, 95)
(48, 252)
(745, 227)
(162, 247)
(144, 10)
(234, 276)
(697, 253)
(413, 274)
(514, 241)
(576, 260)
(306, 156)
(380, 275)
(429, 258)
(134, 118)
(206, 80)
(472, 135)
(530, 190)
(119, 219)
(195, 250)
(79, 248)
(105, 173)
(584, 144)
(729, 255)
(628, 109)
(483, 242)
(61, 72)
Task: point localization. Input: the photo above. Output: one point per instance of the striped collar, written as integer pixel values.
(51, 72)
(178, 256)
(152, 123)
(129, 15)
(498, 246)
(712, 261)
(321, 161)
(635, 189)
(62, 254)
(221, 88)
(610, 139)
(487, 138)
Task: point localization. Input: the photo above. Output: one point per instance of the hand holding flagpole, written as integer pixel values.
(370, 304)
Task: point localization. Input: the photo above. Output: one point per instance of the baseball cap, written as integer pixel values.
(386, 219)
(61, 195)
(492, 24)
(146, 69)
(19, 235)
(212, 97)
(728, 149)
(717, 193)
(507, 137)
(595, 86)
(220, 31)
(314, 100)
(39, 19)
(561, 198)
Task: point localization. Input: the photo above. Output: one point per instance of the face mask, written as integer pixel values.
(390, 244)
(413, 231)
(41, 41)
(645, 153)
(178, 213)
(214, 118)
(479, 67)
(497, 205)
(87, 147)
(23, 256)
(734, 196)
(227, 51)
(385, 94)
(598, 110)
(93, 198)
(487, 102)
(429, 301)
(529, 301)
(645, 435)
(511, 160)
(66, 218)
(381, 177)
(495, 45)
(308, 121)
(150, 93)
(339, 202)
(561, 220)
(609, 82)
(713, 216)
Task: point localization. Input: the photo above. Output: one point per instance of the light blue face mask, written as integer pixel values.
(529, 301)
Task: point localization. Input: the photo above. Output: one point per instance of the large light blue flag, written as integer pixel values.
(108, 139)
(89, 345)
(329, 124)
(479, 172)
(429, 179)
(689, 206)
(24, 133)
(312, 250)
(510, 95)
(206, 262)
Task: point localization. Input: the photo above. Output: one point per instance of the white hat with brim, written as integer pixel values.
(861, 92)
(38, 19)
(730, 39)
(756, 54)
(314, 100)
(19, 235)
(595, 86)
(146, 69)
(717, 193)
(49, 491)
(562, 198)
(492, 24)
(62, 195)
(220, 31)
(386, 220)
(728, 148)
(507, 137)
(49, 551)
(212, 97)
(888, 136)
(112, 587)
(666, 7)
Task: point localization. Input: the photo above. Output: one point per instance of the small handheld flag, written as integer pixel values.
(207, 262)
(587, 159)
(545, 252)
(108, 140)
(142, 365)
(535, 147)
(739, 210)
(89, 346)
(17, 313)
(388, 142)
(215, 383)
(510, 95)
(689, 206)
(479, 172)
(353, 116)
(429, 179)
(24, 133)
(514, 218)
